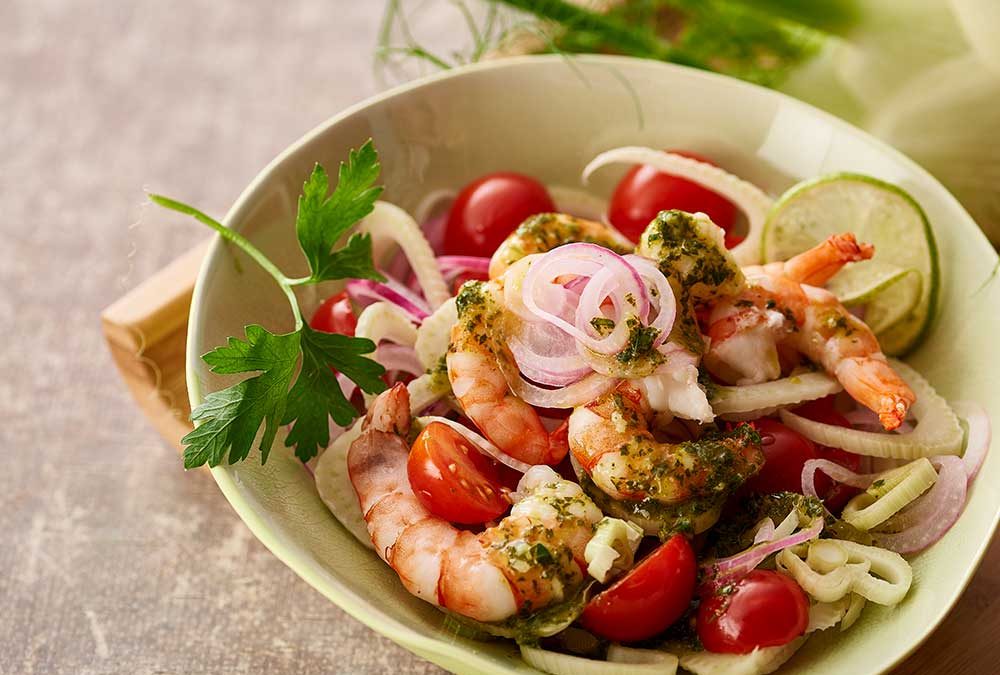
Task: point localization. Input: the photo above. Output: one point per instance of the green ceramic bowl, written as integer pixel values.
(547, 117)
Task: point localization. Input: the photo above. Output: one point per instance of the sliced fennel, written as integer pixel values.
(756, 400)
(434, 334)
(612, 548)
(388, 223)
(384, 321)
(938, 431)
(758, 662)
(746, 196)
(876, 574)
(889, 494)
(853, 611)
(627, 662)
(823, 615)
(335, 489)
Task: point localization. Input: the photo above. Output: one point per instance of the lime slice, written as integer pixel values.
(905, 263)
(898, 292)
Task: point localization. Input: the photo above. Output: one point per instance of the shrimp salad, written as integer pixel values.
(618, 435)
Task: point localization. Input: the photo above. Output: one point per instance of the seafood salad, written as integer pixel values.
(665, 429)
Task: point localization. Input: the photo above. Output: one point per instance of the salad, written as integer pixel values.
(663, 431)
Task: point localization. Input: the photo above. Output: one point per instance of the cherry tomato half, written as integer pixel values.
(453, 479)
(489, 208)
(650, 597)
(645, 191)
(764, 609)
(335, 315)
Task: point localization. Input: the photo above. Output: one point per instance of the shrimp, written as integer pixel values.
(611, 440)
(781, 315)
(533, 558)
(546, 231)
(481, 389)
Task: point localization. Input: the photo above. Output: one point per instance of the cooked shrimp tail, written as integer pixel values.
(818, 265)
(873, 383)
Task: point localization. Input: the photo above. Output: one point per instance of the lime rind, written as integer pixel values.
(877, 212)
(888, 293)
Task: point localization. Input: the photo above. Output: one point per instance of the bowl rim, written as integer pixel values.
(355, 604)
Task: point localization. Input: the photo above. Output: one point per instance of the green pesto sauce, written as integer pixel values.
(546, 231)
(526, 629)
(685, 331)
(736, 532)
(684, 252)
(640, 342)
(439, 373)
(666, 519)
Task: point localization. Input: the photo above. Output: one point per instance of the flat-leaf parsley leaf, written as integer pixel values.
(296, 384)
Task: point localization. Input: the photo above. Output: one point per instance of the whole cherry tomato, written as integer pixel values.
(645, 191)
(335, 315)
(490, 208)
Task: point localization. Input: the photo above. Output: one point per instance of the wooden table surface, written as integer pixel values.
(114, 559)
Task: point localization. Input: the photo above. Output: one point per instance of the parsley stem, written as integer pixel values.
(239, 240)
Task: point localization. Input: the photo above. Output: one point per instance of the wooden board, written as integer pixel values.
(147, 330)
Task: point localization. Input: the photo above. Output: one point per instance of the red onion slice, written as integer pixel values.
(480, 443)
(547, 355)
(933, 514)
(604, 267)
(454, 265)
(570, 396)
(836, 472)
(765, 532)
(365, 291)
(398, 357)
(978, 436)
(663, 298)
(728, 570)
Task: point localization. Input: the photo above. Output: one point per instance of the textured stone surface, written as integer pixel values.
(114, 560)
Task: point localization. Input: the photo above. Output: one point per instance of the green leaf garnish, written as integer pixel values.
(322, 220)
(296, 384)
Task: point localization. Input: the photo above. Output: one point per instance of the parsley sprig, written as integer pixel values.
(295, 385)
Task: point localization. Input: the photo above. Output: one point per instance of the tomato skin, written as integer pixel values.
(784, 457)
(453, 479)
(764, 609)
(490, 208)
(645, 191)
(650, 597)
(335, 315)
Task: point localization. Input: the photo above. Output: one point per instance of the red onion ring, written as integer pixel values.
(728, 570)
(603, 266)
(571, 396)
(365, 291)
(547, 355)
(665, 302)
(399, 357)
(932, 514)
(978, 437)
